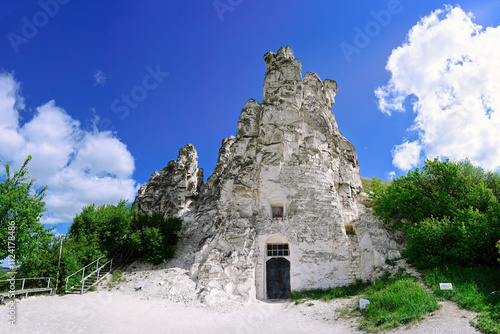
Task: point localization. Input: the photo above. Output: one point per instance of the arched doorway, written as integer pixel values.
(277, 278)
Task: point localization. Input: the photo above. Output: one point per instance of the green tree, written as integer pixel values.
(439, 189)
(448, 210)
(21, 207)
(106, 226)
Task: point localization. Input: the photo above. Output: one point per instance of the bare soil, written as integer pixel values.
(166, 304)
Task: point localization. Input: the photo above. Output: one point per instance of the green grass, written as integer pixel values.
(393, 300)
(476, 289)
(401, 301)
(367, 184)
(328, 294)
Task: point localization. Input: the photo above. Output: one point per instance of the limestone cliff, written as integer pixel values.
(288, 154)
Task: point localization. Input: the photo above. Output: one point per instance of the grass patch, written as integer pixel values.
(476, 289)
(393, 300)
(401, 301)
(349, 229)
(366, 184)
(117, 276)
(329, 294)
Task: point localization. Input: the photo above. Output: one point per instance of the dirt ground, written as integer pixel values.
(124, 311)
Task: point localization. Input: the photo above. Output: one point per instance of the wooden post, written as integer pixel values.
(24, 279)
(48, 283)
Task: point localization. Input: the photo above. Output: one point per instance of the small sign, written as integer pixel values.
(140, 285)
(363, 303)
(445, 286)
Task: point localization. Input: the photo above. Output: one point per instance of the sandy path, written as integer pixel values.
(117, 312)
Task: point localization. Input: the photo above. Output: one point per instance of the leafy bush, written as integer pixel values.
(465, 240)
(106, 226)
(155, 236)
(96, 232)
(448, 210)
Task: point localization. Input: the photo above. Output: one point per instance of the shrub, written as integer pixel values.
(106, 225)
(465, 240)
(155, 237)
(447, 210)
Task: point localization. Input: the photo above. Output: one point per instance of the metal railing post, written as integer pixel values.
(83, 281)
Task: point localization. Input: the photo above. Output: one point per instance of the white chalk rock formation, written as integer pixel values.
(289, 180)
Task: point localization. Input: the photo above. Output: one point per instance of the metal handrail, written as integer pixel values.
(98, 270)
(26, 278)
(118, 253)
(85, 266)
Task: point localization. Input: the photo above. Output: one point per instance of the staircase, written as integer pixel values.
(95, 271)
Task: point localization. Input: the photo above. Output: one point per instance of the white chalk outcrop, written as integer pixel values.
(288, 155)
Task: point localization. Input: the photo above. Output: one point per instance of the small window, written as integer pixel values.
(277, 211)
(278, 250)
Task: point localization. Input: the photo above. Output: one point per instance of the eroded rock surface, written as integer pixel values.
(288, 153)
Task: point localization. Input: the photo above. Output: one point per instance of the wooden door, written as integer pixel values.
(278, 278)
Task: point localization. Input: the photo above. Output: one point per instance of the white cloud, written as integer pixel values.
(80, 167)
(406, 156)
(99, 78)
(452, 67)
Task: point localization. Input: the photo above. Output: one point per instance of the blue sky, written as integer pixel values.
(103, 93)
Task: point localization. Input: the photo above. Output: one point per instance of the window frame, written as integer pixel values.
(277, 250)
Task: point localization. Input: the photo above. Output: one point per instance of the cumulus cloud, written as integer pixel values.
(407, 155)
(79, 166)
(450, 66)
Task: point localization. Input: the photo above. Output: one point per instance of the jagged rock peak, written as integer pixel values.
(288, 179)
(173, 190)
(283, 83)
